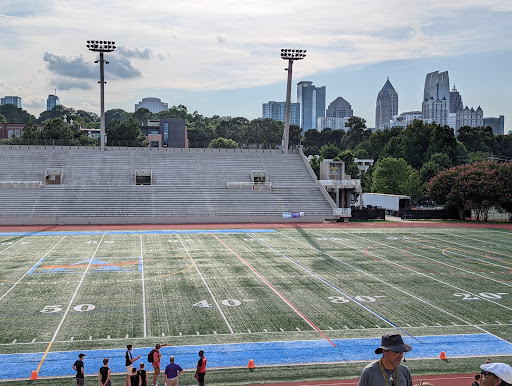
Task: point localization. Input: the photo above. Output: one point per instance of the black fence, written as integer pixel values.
(433, 214)
(368, 214)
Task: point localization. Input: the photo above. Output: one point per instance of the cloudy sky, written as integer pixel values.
(223, 56)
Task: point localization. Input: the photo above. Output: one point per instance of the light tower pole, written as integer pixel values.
(290, 55)
(101, 46)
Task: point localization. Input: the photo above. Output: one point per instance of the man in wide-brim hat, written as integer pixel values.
(388, 371)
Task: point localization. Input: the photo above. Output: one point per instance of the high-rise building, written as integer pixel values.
(386, 106)
(334, 123)
(11, 100)
(469, 117)
(339, 108)
(52, 101)
(436, 98)
(497, 124)
(405, 119)
(276, 111)
(455, 101)
(312, 104)
(155, 105)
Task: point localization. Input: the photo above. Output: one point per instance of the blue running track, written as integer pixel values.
(14, 366)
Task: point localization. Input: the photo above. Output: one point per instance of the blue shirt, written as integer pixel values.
(172, 370)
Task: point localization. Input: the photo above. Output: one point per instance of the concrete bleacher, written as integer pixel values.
(187, 186)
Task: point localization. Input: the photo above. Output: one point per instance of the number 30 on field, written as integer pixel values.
(78, 308)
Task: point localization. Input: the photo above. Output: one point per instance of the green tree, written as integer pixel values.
(442, 140)
(315, 162)
(329, 151)
(437, 162)
(295, 135)
(477, 138)
(15, 114)
(30, 131)
(127, 133)
(179, 111)
(223, 143)
(57, 112)
(505, 196)
(356, 133)
(395, 176)
(56, 128)
(142, 116)
(313, 138)
(118, 114)
(2, 119)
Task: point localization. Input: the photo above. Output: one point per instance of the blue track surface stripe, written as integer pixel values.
(268, 353)
(148, 232)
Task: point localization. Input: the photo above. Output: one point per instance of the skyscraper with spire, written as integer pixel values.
(386, 107)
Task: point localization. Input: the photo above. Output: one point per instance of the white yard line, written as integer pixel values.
(206, 284)
(143, 287)
(479, 274)
(69, 305)
(31, 268)
(76, 290)
(12, 245)
(387, 283)
(470, 246)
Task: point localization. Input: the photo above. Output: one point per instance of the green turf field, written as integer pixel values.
(99, 290)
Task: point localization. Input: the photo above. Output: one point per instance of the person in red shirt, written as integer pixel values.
(201, 368)
(156, 362)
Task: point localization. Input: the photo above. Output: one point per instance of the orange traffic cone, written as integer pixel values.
(251, 364)
(33, 376)
(443, 355)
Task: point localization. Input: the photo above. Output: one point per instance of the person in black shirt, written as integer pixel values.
(134, 378)
(78, 366)
(104, 374)
(143, 375)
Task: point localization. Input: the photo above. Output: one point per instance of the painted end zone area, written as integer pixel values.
(13, 366)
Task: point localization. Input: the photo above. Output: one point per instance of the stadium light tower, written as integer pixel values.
(290, 55)
(101, 46)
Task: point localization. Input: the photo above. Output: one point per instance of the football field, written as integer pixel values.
(278, 296)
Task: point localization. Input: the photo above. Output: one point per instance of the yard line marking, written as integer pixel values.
(388, 284)
(334, 287)
(143, 287)
(276, 291)
(433, 278)
(420, 273)
(12, 245)
(473, 239)
(206, 284)
(31, 269)
(69, 305)
(459, 253)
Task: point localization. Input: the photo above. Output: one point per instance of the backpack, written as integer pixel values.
(151, 356)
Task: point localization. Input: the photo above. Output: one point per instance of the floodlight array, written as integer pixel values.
(101, 45)
(288, 54)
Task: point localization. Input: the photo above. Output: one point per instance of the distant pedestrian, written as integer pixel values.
(143, 375)
(496, 374)
(388, 371)
(172, 371)
(104, 374)
(201, 368)
(156, 362)
(78, 366)
(134, 378)
(129, 359)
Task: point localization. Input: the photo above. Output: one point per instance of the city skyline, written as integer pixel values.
(218, 57)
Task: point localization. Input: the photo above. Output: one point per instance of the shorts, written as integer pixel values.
(129, 369)
(80, 381)
(200, 377)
